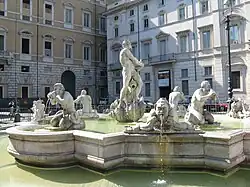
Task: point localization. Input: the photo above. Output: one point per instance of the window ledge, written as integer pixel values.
(87, 29)
(238, 90)
(68, 26)
(68, 61)
(184, 78)
(48, 59)
(208, 76)
(25, 57)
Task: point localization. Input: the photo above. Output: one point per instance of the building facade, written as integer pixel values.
(181, 44)
(52, 41)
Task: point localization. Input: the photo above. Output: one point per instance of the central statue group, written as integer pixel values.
(130, 107)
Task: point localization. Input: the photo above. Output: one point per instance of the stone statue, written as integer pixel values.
(161, 118)
(86, 102)
(239, 109)
(38, 110)
(196, 114)
(67, 118)
(174, 98)
(129, 107)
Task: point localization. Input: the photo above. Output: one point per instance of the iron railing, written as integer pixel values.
(170, 57)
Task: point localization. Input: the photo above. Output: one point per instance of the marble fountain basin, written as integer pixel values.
(218, 150)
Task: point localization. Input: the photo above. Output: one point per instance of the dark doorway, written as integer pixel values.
(164, 83)
(68, 79)
(165, 91)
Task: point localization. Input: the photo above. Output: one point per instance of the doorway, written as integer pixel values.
(68, 80)
(164, 83)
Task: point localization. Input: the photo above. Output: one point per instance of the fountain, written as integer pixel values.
(162, 141)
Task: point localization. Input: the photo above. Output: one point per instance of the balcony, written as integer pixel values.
(6, 56)
(160, 59)
(114, 66)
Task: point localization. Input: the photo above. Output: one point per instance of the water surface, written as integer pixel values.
(19, 176)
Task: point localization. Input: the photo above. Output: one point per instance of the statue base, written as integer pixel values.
(174, 127)
(84, 115)
(132, 112)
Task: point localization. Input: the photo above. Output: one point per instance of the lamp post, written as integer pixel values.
(230, 89)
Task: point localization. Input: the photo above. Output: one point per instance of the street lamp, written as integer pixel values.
(230, 88)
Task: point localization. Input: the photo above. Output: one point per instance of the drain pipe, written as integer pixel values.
(195, 39)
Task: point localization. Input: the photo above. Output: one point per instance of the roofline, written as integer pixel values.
(124, 6)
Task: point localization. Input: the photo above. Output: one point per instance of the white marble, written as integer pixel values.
(67, 118)
(129, 107)
(196, 114)
(174, 98)
(86, 102)
(38, 110)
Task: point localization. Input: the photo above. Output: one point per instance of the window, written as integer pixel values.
(1, 92)
(86, 19)
(103, 73)
(68, 50)
(230, 3)
(48, 8)
(181, 11)
(145, 7)
(103, 55)
(46, 91)
(134, 50)
(161, 2)
(132, 27)
(234, 34)
(2, 43)
(26, 4)
(1, 67)
(25, 69)
(25, 92)
(86, 53)
(147, 89)
(162, 47)
(184, 73)
(236, 79)
(131, 12)
(206, 39)
(117, 73)
(86, 72)
(146, 51)
(183, 43)
(162, 19)
(116, 18)
(185, 88)
(210, 80)
(48, 48)
(48, 13)
(25, 46)
(204, 6)
(147, 76)
(145, 23)
(116, 56)
(26, 18)
(117, 87)
(208, 71)
(103, 24)
(48, 22)
(3, 7)
(68, 17)
(116, 32)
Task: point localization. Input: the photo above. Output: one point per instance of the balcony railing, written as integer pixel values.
(5, 54)
(161, 58)
(114, 66)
